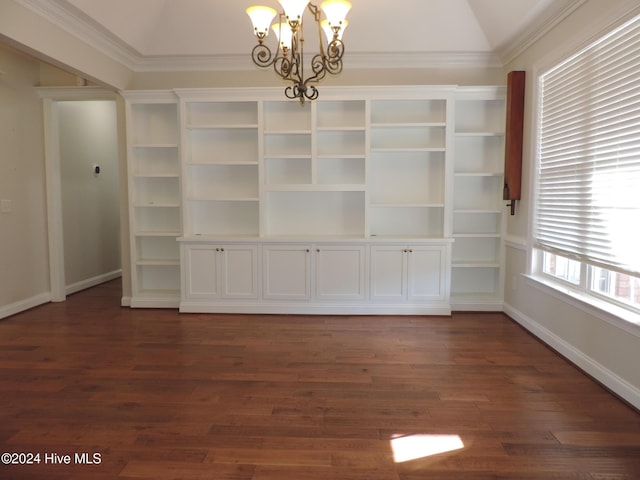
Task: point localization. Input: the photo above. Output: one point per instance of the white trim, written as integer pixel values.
(329, 92)
(75, 93)
(602, 310)
(152, 302)
(377, 60)
(54, 200)
(516, 242)
(602, 374)
(305, 308)
(26, 304)
(81, 26)
(473, 305)
(92, 282)
(514, 47)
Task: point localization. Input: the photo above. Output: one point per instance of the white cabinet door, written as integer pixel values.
(388, 273)
(425, 273)
(201, 276)
(286, 272)
(217, 271)
(412, 274)
(340, 272)
(239, 271)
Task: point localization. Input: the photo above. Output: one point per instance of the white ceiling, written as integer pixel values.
(174, 33)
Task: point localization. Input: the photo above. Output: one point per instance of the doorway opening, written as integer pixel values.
(83, 188)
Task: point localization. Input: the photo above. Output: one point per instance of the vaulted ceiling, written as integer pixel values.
(171, 34)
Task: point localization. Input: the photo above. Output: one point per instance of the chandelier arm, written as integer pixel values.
(311, 92)
(335, 50)
(318, 65)
(316, 16)
(333, 61)
(298, 43)
(262, 56)
(291, 92)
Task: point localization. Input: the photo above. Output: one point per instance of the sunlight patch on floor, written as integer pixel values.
(412, 447)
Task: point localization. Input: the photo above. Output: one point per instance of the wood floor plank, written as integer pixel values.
(162, 395)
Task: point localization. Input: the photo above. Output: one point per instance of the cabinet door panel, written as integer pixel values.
(340, 273)
(286, 272)
(202, 280)
(425, 274)
(239, 271)
(388, 276)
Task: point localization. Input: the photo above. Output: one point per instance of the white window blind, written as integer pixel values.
(588, 198)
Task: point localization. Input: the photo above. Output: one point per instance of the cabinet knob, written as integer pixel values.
(222, 249)
(217, 249)
(308, 250)
(318, 250)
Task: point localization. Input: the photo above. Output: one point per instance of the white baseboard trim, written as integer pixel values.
(616, 384)
(92, 282)
(314, 308)
(26, 304)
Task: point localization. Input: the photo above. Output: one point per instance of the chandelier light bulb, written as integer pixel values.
(261, 18)
(335, 11)
(294, 9)
(329, 32)
(283, 34)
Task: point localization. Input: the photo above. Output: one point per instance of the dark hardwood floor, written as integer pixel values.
(160, 395)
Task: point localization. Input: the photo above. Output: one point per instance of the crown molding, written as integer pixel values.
(558, 11)
(410, 60)
(86, 30)
(386, 60)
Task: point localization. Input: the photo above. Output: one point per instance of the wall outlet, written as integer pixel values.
(5, 206)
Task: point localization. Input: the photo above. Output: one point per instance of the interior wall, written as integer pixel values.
(90, 201)
(24, 277)
(24, 29)
(607, 349)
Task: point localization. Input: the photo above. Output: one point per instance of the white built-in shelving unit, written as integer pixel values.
(313, 181)
(221, 168)
(407, 167)
(368, 200)
(478, 211)
(155, 200)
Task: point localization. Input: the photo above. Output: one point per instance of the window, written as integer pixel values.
(587, 220)
(562, 268)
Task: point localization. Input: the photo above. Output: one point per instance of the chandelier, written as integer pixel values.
(288, 61)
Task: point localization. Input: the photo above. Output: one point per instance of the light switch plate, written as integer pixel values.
(5, 206)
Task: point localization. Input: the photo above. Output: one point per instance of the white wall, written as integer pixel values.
(24, 236)
(596, 342)
(30, 32)
(24, 271)
(90, 202)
